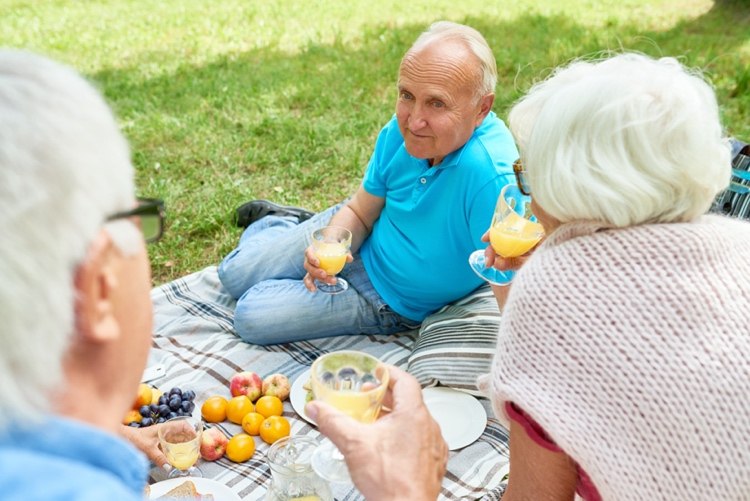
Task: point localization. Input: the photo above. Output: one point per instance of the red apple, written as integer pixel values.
(276, 385)
(246, 383)
(213, 444)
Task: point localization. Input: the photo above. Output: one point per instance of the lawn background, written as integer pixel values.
(228, 101)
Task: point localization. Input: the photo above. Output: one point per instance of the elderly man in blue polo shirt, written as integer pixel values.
(426, 199)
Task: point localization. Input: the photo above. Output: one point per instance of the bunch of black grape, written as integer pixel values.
(172, 404)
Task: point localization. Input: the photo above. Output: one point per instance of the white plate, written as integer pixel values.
(461, 417)
(298, 396)
(220, 492)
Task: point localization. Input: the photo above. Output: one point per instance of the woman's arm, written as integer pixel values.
(538, 473)
(147, 441)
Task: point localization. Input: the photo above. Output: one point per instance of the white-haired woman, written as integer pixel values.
(623, 360)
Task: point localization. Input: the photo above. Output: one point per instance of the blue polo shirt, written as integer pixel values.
(62, 459)
(434, 217)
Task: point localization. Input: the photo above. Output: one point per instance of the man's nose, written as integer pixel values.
(417, 118)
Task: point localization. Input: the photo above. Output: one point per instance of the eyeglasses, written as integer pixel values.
(520, 173)
(150, 212)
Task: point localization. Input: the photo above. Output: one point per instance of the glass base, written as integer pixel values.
(491, 275)
(193, 471)
(340, 286)
(329, 463)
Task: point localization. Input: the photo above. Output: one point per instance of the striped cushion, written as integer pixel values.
(735, 200)
(456, 343)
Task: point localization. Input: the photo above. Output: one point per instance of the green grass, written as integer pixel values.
(228, 101)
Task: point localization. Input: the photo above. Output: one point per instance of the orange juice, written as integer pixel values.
(362, 406)
(351, 381)
(182, 456)
(514, 236)
(332, 256)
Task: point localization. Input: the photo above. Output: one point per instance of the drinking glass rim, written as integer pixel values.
(384, 378)
(316, 230)
(196, 423)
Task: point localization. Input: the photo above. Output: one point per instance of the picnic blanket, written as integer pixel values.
(194, 340)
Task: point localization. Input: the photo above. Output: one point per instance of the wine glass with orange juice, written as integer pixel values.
(180, 440)
(514, 232)
(331, 245)
(355, 383)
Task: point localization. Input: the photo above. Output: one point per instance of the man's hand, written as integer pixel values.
(314, 271)
(358, 215)
(147, 441)
(402, 455)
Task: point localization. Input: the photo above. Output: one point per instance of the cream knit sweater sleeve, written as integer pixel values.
(631, 348)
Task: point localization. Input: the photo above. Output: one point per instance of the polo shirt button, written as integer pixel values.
(423, 181)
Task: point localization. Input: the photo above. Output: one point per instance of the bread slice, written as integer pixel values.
(185, 490)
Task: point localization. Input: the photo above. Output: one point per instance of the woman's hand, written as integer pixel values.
(491, 258)
(147, 441)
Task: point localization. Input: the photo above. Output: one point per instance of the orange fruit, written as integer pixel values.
(214, 409)
(251, 423)
(273, 428)
(238, 407)
(240, 448)
(133, 417)
(155, 394)
(143, 396)
(269, 406)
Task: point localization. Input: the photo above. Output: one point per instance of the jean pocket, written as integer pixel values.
(394, 321)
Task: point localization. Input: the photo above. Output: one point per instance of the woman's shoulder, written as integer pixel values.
(588, 258)
(707, 229)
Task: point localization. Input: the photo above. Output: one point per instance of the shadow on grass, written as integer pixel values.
(299, 127)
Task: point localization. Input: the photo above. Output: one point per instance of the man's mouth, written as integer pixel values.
(420, 136)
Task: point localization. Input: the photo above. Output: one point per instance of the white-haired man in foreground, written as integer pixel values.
(74, 295)
(76, 311)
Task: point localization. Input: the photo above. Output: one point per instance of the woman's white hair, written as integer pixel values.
(474, 41)
(64, 167)
(624, 141)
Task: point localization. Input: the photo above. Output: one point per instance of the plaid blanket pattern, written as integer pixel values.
(195, 341)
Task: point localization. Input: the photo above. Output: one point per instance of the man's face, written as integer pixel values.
(437, 109)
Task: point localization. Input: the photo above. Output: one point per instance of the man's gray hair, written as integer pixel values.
(474, 41)
(64, 167)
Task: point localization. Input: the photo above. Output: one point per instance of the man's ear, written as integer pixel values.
(485, 106)
(95, 281)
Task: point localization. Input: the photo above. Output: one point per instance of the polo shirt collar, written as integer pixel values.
(453, 159)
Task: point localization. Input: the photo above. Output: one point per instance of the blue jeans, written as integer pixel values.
(264, 273)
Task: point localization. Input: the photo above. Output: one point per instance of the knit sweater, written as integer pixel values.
(631, 348)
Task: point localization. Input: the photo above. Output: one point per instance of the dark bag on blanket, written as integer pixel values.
(735, 200)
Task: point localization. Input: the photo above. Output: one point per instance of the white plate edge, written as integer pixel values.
(297, 396)
(476, 430)
(203, 485)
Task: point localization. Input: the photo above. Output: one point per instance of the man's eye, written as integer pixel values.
(406, 96)
(438, 104)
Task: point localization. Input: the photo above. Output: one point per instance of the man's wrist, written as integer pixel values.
(412, 492)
